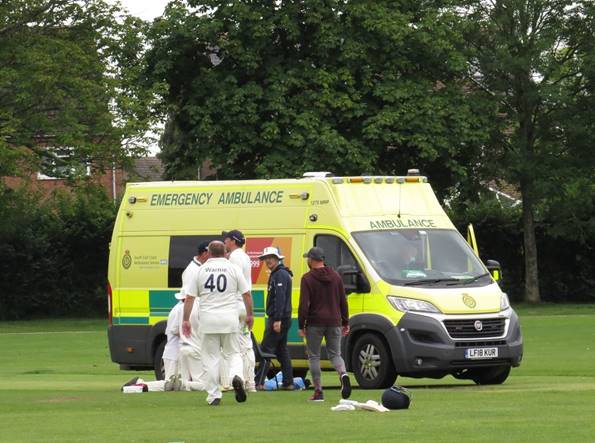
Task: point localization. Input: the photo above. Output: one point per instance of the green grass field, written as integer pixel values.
(57, 383)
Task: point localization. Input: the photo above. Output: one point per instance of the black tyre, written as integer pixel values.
(158, 361)
(372, 363)
(490, 376)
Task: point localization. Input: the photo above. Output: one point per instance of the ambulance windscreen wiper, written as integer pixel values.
(471, 280)
(430, 281)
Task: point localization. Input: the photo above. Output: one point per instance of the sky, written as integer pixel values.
(145, 9)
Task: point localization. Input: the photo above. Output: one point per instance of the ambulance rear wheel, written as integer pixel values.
(158, 361)
(372, 363)
(490, 376)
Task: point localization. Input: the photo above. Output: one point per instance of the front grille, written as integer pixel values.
(490, 327)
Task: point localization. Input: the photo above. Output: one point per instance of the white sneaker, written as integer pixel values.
(173, 384)
(250, 387)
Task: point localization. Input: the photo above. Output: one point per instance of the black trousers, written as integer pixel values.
(276, 343)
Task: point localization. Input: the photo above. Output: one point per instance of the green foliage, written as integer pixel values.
(53, 252)
(566, 266)
(266, 89)
(534, 60)
(65, 82)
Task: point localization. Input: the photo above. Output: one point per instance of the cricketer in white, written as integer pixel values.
(218, 284)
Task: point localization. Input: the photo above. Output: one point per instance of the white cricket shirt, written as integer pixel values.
(172, 331)
(194, 339)
(189, 278)
(219, 283)
(242, 260)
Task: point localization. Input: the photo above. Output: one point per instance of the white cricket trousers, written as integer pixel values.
(244, 344)
(213, 347)
(171, 367)
(191, 365)
(159, 385)
(248, 358)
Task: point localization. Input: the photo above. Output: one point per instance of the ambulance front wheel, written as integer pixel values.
(490, 376)
(158, 361)
(371, 362)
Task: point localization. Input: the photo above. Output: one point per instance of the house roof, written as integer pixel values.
(147, 169)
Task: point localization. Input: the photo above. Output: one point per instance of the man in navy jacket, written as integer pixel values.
(278, 310)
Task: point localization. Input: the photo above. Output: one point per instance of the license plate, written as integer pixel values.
(479, 353)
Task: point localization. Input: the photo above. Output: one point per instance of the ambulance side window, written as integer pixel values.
(181, 250)
(336, 252)
(339, 257)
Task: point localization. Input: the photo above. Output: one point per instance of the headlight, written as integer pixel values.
(411, 304)
(504, 303)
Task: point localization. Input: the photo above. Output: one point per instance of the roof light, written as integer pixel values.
(412, 179)
(337, 180)
(367, 180)
(400, 180)
(390, 179)
(378, 179)
(412, 171)
(356, 179)
(317, 174)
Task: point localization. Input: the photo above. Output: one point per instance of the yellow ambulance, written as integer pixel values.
(421, 302)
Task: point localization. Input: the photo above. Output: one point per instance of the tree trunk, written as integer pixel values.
(530, 246)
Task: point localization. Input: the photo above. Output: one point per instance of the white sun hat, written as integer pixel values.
(270, 250)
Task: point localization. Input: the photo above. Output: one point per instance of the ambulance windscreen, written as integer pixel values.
(420, 257)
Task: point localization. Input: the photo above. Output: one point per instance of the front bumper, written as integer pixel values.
(421, 344)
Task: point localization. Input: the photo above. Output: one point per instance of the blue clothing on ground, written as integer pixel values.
(271, 384)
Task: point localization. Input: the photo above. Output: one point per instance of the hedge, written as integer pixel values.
(54, 252)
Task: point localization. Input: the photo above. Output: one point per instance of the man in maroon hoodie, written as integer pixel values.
(323, 313)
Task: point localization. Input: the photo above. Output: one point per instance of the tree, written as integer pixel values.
(273, 89)
(65, 82)
(534, 58)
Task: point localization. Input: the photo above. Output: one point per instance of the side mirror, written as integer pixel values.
(495, 269)
(353, 279)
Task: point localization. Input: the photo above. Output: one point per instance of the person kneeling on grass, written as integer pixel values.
(171, 356)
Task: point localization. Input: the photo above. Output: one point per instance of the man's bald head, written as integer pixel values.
(216, 249)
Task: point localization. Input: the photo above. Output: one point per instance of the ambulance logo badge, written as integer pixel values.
(469, 301)
(126, 260)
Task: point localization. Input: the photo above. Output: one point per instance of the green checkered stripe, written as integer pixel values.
(161, 302)
(259, 307)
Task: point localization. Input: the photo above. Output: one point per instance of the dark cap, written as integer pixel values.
(234, 234)
(315, 253)
(203, 247)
